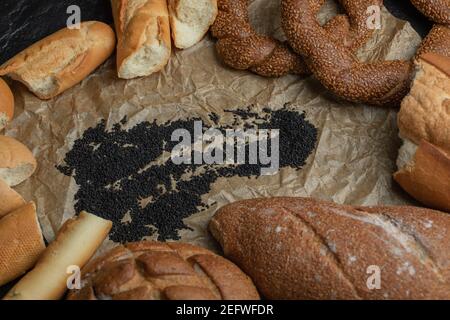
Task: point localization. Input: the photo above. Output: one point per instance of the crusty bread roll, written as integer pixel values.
(17, 163)
(143, 36)
(75, 244)
(155, 271)
(9, 199)
(301, 248)
(6, 104)
(424, 123)
(21, 242)
(62, 59)
(190, 20)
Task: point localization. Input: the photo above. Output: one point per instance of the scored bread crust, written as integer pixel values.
(142, 28)
(6, 104)
(427, 176)
(301, 248)
(17, 163)
(9, 199)
(189, 27)
(62, 59)
(154, 270)
(21, 242)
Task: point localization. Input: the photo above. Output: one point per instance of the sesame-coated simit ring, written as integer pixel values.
(242, 48)
(337, 68)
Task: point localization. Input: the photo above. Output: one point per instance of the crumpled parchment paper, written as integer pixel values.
(356, 149)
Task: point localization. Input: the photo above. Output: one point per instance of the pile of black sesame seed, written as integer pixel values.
(118, 174)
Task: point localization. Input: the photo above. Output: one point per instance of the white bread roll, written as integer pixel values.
(424, 123)
(190, 20)
(9, 199)
(6, 104)
(17, 163)
(62, 59)
(21, 242)
(143, 34)
(75, 244)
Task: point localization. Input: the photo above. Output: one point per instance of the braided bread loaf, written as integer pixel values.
(242, 48)
(337, 68)
(154, 271)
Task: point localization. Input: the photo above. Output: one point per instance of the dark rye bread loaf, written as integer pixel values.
(163, 271)
(301, 248)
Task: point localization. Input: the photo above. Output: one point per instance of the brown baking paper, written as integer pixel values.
(356, 149)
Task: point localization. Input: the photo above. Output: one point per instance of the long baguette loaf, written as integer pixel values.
(76, 242)
(17, 163)
(424, 123)
(190, 20)
(62, 59)
(143, 34)
(301, 248)
(21, 242)
(9, 199)
(6, 104)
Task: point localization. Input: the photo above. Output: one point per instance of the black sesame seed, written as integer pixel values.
(117, 173)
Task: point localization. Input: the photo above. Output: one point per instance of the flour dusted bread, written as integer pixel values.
(21, 242)
(424, 123)
(62, 59)
(160, 271)
(75, 244)
(301, 248)
(190, 20)
(6, 104)
(17, 163)
(143, 32)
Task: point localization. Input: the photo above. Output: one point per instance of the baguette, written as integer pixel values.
(9, 199)
(76, 242)
(424, 123)
(17, 163)
(6, 104)
(301, 248)
(190, 20)
(62, 59)
(21, 242)
(143, 34)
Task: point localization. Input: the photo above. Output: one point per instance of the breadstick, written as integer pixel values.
(76, 242)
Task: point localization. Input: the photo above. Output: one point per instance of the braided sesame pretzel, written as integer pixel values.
(242, 48)
(337, 68)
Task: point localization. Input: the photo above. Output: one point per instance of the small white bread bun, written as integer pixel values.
(62, 59)
(190, 20)
(17, 163)
(6, 104)
(75, 244)
(21, 242)
(9, 199)
(424, 123)
(143, 36)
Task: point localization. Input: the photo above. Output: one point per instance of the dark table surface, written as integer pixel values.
(23, 22)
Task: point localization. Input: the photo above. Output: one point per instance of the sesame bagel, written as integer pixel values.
(242, 48)
(337, 68)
